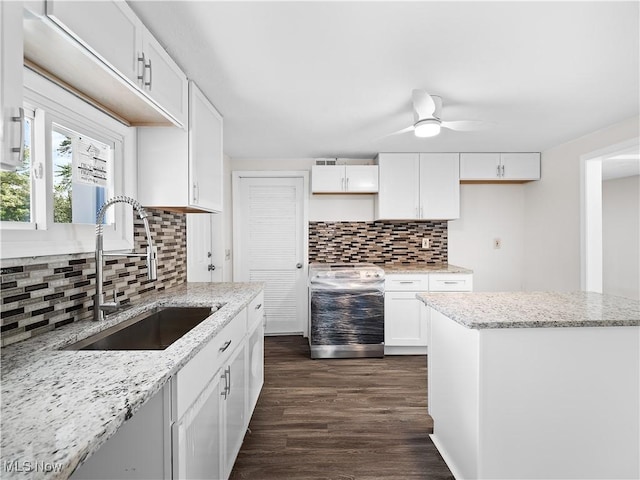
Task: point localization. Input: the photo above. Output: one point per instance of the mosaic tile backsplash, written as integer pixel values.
(42, 293)
(378, 242)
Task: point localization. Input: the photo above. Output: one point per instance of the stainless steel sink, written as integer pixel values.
(153, 330)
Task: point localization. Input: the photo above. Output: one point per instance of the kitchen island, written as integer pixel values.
(59, 407)
(535, 384)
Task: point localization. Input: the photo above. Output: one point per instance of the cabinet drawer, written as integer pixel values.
(255, 311)
(193, 377)
(448, 282)
(406, 283)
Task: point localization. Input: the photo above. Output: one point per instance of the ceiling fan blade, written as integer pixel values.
(464, 125)
(399, 132)
(423, 104)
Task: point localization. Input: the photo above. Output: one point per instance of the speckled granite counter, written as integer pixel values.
(534, 309)
(418, 269)
(59, 406)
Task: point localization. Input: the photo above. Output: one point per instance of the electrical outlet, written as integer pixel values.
(426, 243)
(497, 243)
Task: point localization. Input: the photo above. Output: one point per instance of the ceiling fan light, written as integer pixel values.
(429, 127)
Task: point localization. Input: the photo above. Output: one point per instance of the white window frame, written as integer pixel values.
(53, 104)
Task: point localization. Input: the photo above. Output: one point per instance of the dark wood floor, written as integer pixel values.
(361, 419)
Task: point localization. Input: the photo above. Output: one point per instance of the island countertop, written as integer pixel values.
(479, 310)
(60, 406)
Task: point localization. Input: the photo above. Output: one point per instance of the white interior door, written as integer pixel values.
(270, 245)
(205, 251)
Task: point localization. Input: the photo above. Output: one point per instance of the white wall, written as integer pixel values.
(621, 237)
(552, 210)
(489, 212)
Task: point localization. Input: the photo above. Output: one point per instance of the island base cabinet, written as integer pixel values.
(140, 449)
(516, 403)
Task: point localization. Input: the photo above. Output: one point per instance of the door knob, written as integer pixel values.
(298, 265)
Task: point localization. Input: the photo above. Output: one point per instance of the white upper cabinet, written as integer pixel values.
(113, 34)
(344, 179)
(11, 112)
(162, 79)
(109, 29)
(180, 169)
(439, 186)
(418, 186)
(500, 167)
(205, 151)
(399, 189)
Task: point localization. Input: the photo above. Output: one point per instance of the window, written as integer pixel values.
(16, 188)
(81, 175)
(74, 161)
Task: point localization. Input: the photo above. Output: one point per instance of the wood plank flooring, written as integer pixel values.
(361, 419)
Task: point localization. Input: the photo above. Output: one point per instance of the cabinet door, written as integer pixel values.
(197, 437)
(109, 29)
(398, 194)
(205, 152)
(11, 84)
(439, 186)
(361, 178)
(163, 80)
(327, 178)
(139, 449)
(234, 417)
(405, 320)
(255, 366)
(479, 166)
(520, 166)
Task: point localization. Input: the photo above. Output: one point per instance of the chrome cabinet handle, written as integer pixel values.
(141, 69)
(451, 282)
(502, 168)
(195, 192)
(406, 282)
(148, 66)
(258, 306)
(347, 189)
(20, 149)
(228, 371)
(211, 267)
(225, 346)
(342, 187)
(224, 390)
(498, 171)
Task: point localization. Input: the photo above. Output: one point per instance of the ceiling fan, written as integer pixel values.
(427, 111)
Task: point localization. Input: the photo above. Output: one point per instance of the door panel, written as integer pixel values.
(269, 235)
(204, 248)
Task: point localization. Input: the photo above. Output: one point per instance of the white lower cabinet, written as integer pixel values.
(196, 443)
(255, 351)
(140, 449)
(406, 320)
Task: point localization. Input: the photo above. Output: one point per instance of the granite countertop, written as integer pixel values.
(479, 310)
(423, 268)
(59, 406)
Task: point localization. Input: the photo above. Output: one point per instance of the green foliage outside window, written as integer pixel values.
(15, 192)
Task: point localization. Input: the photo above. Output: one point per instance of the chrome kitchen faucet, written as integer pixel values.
(99, 305)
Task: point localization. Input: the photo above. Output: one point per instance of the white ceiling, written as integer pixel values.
(329, 79)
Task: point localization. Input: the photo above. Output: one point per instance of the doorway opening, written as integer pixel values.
(610, 223)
